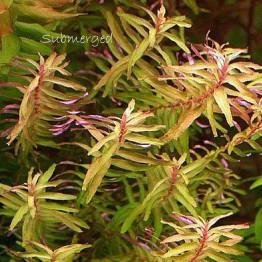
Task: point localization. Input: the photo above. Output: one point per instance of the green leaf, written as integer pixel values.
(173, 21)
(140, 139)
(257, 183)
(225, 249)
(65, 82)
(132, 216)
(97, 171)
(10, 48)
(67, 220)
(47, 175)
(221, 99)
(116, 70)
(210, 115)
(180, 237)
(41, 12)
(140, 158)
(193, 5)
(32, 46)
(19, 216)
(96, 180)
(185, 121)
(128, 165)
(178, 41)
(155, 194)
(137, 54)
(33, 30)
(55, 206)
(186, 194)
(38, 255)
(258, 226)
(55, 196)
(64, 252)
(181, 249)
(101, 143)
(132, 19)
(216, 256)
(118, 34)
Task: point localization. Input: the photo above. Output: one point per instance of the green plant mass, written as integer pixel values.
(130, 130)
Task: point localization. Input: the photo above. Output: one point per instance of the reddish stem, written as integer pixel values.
(199, 99)
(37, 89)
(122, 129)
(202, 244)
(173, 181)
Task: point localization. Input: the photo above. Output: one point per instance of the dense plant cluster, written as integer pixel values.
(127, 151)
